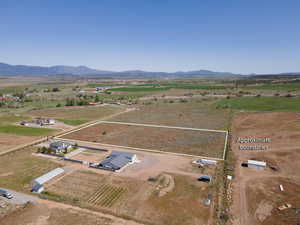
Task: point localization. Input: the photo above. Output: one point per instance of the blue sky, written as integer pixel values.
(242, 36)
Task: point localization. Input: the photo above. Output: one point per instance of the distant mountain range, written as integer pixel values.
(61, 70)
(22, 70)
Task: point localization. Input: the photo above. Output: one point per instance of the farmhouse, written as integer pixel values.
(42, 121)
(60, 146)
(117, 161)
(37, 184)
(257, 164)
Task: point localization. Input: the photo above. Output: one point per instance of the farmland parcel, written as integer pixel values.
(184, 141)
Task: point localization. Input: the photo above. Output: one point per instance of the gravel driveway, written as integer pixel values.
(19, 198)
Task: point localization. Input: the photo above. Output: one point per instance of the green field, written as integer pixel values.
(11, 118)
(140, 89)
(289, 87)
(261, 103)
(197, 86)
(25, 131)
(165, 87)
(73, 122)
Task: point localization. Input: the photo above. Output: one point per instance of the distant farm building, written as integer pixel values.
(42, 121)
(205, 162)
(116, 161)
(37, 184)
(260, 165)
(60, 146)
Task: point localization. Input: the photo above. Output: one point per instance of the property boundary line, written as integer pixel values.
(59, 137)
(225, 145)
(138, 149)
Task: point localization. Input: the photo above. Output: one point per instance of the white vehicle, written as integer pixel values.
(5, 194)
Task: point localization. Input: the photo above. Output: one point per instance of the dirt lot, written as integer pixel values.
(202, 143)
(256, 193)
(150, 164)
(52, 213)
(90, 157)
(156, 202)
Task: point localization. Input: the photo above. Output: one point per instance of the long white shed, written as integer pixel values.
(257, 164)
(47, 176)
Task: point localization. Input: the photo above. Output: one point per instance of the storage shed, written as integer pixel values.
(205, 162)
(47, 177)
(257, 164)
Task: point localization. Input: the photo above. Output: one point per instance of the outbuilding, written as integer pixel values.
(205, 162)
(47, 177)
(260, 165)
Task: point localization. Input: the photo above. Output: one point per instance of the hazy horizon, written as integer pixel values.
(258, 36)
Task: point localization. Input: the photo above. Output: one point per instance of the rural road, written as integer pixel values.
(19, 198)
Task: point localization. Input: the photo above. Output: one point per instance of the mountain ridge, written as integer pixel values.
(28, 70)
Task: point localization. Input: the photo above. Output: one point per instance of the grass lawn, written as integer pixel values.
(25, 131)
(73, 122)
(261, 103)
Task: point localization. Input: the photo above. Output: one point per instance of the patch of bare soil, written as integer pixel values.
(53, 213)
(282, 152)
(166, 184)
(8, 141)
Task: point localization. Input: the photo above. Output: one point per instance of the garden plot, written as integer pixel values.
(106, 195)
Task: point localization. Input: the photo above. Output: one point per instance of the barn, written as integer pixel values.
(37, 184)
(260, 165)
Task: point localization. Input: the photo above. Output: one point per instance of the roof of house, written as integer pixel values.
(59, 144)
(117, 160)
(257, 163)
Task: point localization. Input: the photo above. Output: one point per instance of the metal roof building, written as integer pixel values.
(117, 160)
(257, 164)
(47, 176)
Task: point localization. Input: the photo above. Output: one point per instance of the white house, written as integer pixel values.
(60, 146)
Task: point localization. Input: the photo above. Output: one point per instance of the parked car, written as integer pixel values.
(6, 194)
(205, 179)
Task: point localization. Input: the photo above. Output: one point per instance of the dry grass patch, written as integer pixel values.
(21, 167)
(191, 142)
(195, 113)
(85, 113)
